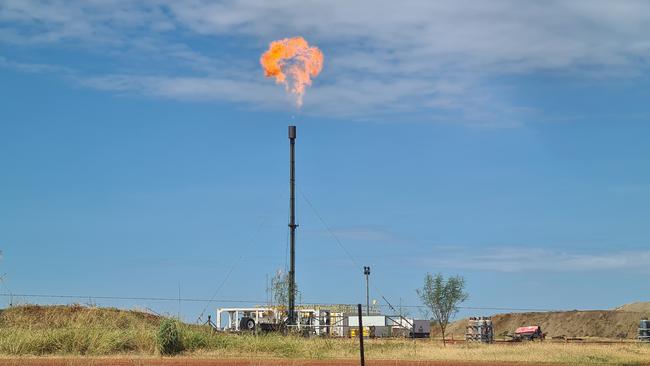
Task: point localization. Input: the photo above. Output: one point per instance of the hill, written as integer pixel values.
(620, 323)
(75, 329)
(75, 316)
(641, 307)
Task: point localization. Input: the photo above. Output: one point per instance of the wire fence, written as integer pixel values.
(92, 298)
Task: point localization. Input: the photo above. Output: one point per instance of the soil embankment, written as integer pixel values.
(622, 322)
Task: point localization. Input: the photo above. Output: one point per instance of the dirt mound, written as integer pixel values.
(596, 323)
(71, 316)
(639, 307)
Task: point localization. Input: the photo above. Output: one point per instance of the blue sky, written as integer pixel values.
(141, 148)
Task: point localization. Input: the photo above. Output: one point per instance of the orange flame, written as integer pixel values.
(293, 63)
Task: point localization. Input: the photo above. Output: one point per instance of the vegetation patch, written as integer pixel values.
(124, 333)
(169, 340)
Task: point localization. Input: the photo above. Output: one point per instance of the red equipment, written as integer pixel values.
(529, 333)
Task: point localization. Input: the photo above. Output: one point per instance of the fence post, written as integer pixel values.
(361, 355)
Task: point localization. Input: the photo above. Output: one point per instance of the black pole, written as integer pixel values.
(366, 271)
(367, 297)
(361, 355)
(292, 225)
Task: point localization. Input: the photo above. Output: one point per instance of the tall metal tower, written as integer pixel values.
(292, 226)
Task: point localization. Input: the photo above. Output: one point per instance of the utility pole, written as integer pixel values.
(292, 225)
(366, 271)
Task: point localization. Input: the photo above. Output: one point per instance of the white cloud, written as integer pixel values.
(382, 57)
(425, 35)
(186, 88)
(520, 259)
(32, 67)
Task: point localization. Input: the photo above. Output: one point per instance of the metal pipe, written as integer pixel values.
(292, 225)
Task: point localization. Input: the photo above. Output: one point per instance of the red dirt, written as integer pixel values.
(81, 361)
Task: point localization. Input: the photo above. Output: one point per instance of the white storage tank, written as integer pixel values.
(644, 330)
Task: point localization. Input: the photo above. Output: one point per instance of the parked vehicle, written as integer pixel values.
(528, 333)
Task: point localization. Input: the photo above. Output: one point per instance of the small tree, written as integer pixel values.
(280, 289)
(442, 297)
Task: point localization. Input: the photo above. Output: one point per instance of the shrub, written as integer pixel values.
(169, 340)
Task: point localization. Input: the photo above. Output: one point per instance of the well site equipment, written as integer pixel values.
(320, 320)
(479, 329)
(421, 328)
(528, 333)
(331, 320)
(644, 330)
(316, 321)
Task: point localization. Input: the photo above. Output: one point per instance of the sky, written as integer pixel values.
(144, 154)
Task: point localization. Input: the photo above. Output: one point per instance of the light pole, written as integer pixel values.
(366, 271)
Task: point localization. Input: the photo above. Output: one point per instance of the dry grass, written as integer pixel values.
(547, 352)
(568, 353)
(72, 331)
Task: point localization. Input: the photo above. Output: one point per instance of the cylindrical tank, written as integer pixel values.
(644, 330)
(479, 329)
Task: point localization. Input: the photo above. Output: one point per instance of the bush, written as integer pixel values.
(169, 340)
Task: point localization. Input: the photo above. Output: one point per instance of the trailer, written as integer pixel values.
(326, 320)
(528, 333)
(315, 321)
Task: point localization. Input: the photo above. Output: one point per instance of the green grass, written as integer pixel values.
(64, 330)
(169, 340)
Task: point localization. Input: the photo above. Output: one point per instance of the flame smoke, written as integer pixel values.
(292, 62)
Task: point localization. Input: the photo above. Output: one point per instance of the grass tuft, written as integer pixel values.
(169, 339)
